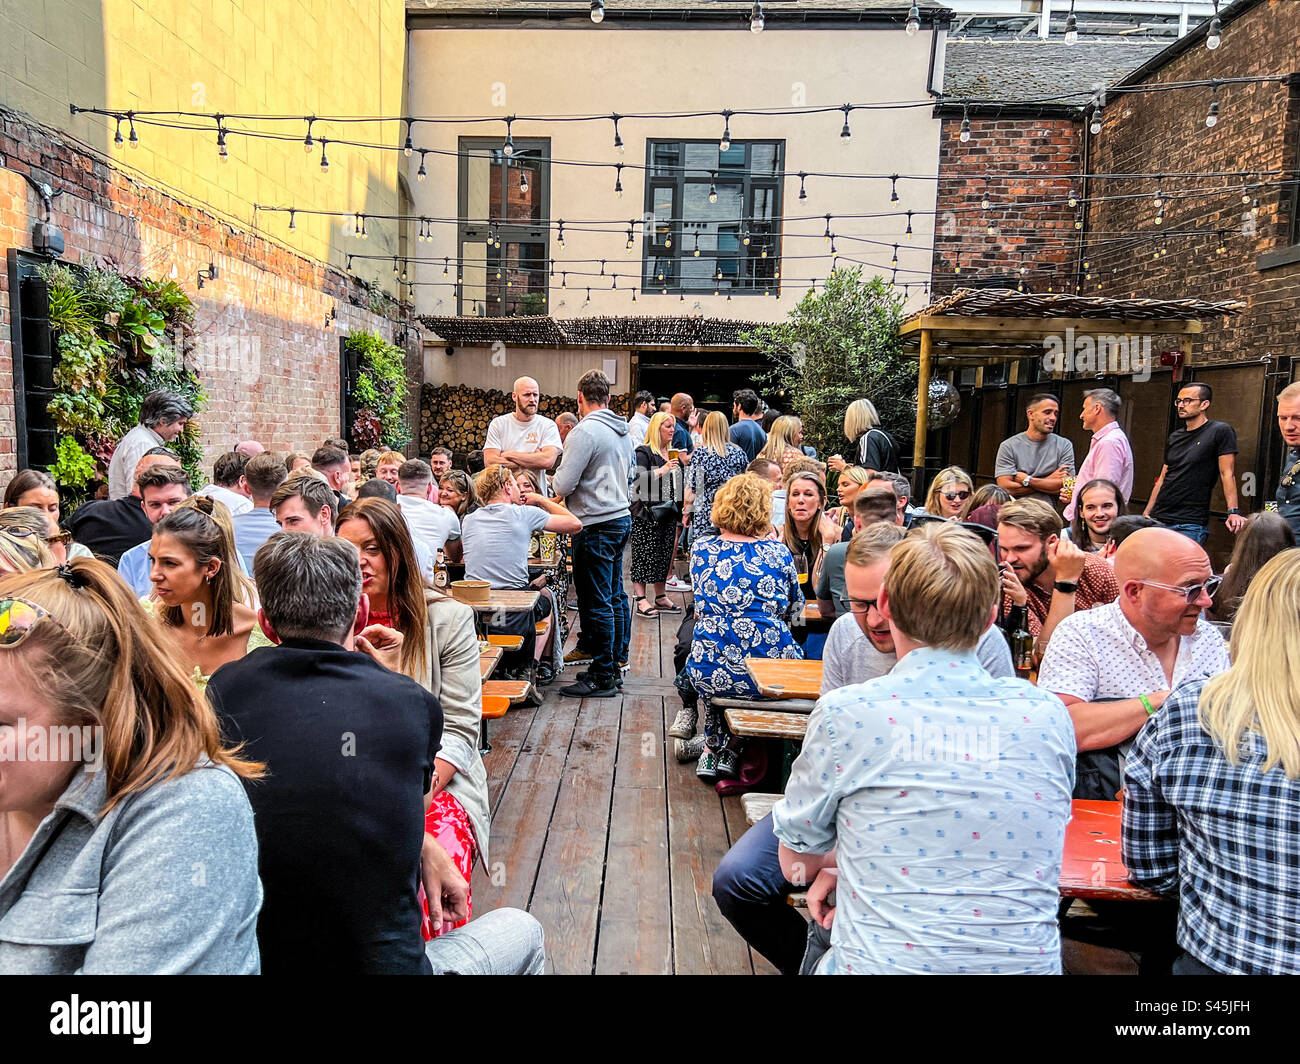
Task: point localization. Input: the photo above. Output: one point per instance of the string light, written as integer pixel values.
(1073, 201)
(117, 137)
(756, 19)
(421, 173)
(893, 189)
(523, 182)
(697, 246)
(293, 224)
(630, 238)
(307, 142)
(560, 237)
(908, 234)
(1215, 36)
(222, 154)
(913, 20)
(408, 147)
(846, 133)
(618, 140)
(965, 125)
(508, 149)
(1094, 126)
(446, 262)
(1071, 27)
(985, 203)
(618, 182)
(1212, 116)
(597, 11)
(725, 143)
(713, 188)
(324, 159)
(827, 236)
(803, 194)
(894, 260)
(132, 140)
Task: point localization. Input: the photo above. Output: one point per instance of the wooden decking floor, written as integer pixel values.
(601, 835)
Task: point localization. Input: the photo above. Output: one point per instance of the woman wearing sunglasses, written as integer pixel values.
(948, 493)
(31, 487)
(25, 541)
(131, 850)
(204, 603)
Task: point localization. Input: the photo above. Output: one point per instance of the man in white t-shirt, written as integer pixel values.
(431, 524)
(524, 439)
(228, 483)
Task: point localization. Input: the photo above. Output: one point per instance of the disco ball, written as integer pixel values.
(945, 404)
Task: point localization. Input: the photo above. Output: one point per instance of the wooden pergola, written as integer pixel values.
(989, 326)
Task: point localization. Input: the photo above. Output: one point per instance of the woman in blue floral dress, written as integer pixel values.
(746, 591)
(714, 462)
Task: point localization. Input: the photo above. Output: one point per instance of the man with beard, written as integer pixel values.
(524, 439)
(1050, 575)
(748, 885)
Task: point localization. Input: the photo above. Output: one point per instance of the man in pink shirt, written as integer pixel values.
(1109, 456)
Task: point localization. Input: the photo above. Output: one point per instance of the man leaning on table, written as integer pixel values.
(933, 800)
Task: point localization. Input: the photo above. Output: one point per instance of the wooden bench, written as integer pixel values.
(513, 691)
(780, 705)
(757, 806)
(494, 706)
(767, 723)
(506, 642)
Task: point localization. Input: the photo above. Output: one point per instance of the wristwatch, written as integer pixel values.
(1068, 587)
(1025, 483)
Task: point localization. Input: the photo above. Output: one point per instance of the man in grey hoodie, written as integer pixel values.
(592, 479)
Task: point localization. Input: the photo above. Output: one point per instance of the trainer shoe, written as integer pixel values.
(577, 656)
(674, 584)
(683, 726)
(707, 768)
(585, 688)
(688, 750)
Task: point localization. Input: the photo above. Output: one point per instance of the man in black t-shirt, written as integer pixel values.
(1197, 455)
(349, 748)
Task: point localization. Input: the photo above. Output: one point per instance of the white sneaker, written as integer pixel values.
(673, 584)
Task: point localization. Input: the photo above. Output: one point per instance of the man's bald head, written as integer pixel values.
(251, 448)
(526, 394)
(1161, 556)
(147, 463)
(682, 405)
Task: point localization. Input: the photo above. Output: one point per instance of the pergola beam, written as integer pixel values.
(958, 326)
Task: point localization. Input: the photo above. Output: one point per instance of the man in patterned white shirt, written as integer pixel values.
(1114, 665)
(933, 800)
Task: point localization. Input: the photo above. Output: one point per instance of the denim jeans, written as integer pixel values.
(751, 891)
(1199, 533)
(603, 607)
(502, 942)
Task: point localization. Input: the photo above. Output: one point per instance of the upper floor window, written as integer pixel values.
(714, 216)
(502, 238)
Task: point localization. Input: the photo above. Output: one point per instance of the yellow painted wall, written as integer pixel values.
(599, 70)
(343, 57)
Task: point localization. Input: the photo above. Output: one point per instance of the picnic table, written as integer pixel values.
(1091, 867)
(812, 616)
(767, 723)
(487, 660)
(780, 678)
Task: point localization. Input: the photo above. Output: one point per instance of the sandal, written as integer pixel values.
(651, 612)
(668, 606)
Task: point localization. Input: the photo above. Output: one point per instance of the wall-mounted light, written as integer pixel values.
(210, 274)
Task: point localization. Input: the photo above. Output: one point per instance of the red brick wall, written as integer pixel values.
(270, 365)
(1027, 162)
(1258, 129)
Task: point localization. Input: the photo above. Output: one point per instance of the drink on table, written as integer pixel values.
(1068, 487)
(1020, 640)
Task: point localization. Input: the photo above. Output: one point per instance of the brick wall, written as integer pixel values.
(1026, 162)
(1259, 129)
(268, 361)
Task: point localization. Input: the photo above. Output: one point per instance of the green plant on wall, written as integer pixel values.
(117, 339)
(839, 345)
(379, 392)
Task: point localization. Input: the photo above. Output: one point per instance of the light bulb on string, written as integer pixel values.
(893, 189)
(618, 139)
(597, 11)
(293, 224)
(133, 140)
(408, 147)
(913, 24)
(826, 237)
(803, 192)
(964, 136)
(630, 238)
(1073, 201)
(908, 233)
(117, 137)
(523, 182)
(846, 133)
(756, 19)
(421, 173)
(560, 237)
(324, 159)
(985, 203)
(222, 154)
(1215, 36)
(508, 148)
(618, 182)
(713, 189)
(697, 246)
(725, 143)
(446, 262)
(307, 142)
(1094, 127)
(1071, 26)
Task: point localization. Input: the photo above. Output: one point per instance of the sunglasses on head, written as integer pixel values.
(61, 536)
(18, 618)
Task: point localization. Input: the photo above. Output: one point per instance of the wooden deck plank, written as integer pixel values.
(733, 812)
(703, 941)
(634, 935)
(566, 899)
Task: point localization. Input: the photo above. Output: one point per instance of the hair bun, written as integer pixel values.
(203, 503)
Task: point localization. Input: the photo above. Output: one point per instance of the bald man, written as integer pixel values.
(110, 527)
(682, 407)
(249, 448)
(524, 439)
(566, 423)
(1114, 665)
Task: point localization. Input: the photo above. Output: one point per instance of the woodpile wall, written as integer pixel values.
(456, 416)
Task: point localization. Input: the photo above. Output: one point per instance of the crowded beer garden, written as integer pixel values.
(650, 488)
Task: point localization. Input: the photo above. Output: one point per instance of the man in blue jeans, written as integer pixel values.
(592, 479)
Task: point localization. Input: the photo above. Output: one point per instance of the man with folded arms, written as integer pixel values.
(933, 800)
(349, 747)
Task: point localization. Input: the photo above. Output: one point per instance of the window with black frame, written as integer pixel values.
(713, 217)
(504, 229)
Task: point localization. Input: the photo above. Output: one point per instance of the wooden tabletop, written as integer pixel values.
(543, 563)
(767, 723)
(1091, 867)
(487, 661)
(812, 616)
(785, 677)
(506, 601)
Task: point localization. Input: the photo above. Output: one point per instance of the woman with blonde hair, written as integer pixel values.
(852, 480)
(100, 843)
(713, 462)
(746, 594)
(948, 492)
(205, 604)
(440, 652)
(873, 447)
(1211, 789)
(654, 517)
(296, 460)
(785, 435)
(24, 540)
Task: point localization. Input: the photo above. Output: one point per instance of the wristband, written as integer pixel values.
(1146, 704)
(1233, 511)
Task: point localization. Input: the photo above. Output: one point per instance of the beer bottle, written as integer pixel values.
(441, 578)
(1021, 641)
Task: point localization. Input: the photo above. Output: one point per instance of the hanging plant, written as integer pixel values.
(117, 339)
(379, 392)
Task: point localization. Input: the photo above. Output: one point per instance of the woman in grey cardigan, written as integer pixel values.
(440, 651)
(127, 842)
